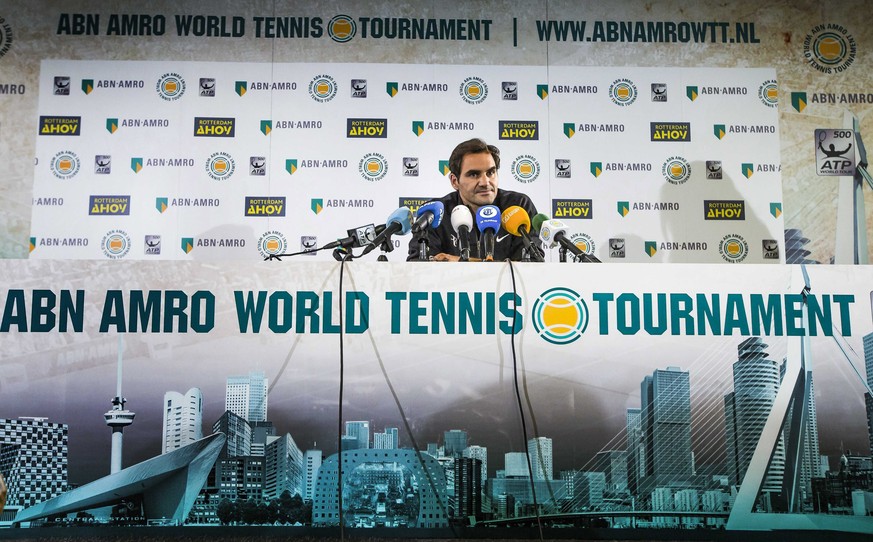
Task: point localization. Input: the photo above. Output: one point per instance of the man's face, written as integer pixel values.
(477, 184)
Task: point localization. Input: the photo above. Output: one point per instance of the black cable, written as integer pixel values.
(280, 256)
(339, 429)
(408, 427)
(533, 489)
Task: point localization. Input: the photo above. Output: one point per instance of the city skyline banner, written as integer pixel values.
(428, 351)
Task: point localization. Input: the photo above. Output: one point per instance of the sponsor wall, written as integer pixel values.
(192, 163)
(815, 51)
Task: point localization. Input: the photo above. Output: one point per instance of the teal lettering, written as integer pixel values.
(176, 302)
(509, 307)
(207, 311)
(708, 315)
(307, 308)
(281, 304)
(443, 315)
(247, 311)
(43, 317)
(793, 313)
(602, 301)
(648, 314)
(395, 298)
(329, 326)
(416, 312)
(362, 301)
(680, 309)
(72, 311)
(769, 314)
(14, 311)
(735, 315)
(470, 312)
(490, 306)
(144, 309)
(820, 313)
(113, 312)
(626, 327)
(843, 301)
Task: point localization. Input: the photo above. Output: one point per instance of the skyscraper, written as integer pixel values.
(283, 467)
(260, 432)
(311, 463)
(468, 487)
(361, 431)
(756, 381)
(868, 365)
(540, 451)
(33, 459)
(515, 465)
(238, 432)
(182, 420)
(666, 426)
(246, 396)
(480, 453)
(455, 440)
(387, 440)
(612, 463)
(635, 450)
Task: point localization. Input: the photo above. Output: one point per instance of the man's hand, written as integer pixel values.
(443, 257)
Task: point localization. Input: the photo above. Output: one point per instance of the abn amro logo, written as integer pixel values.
(560, 315)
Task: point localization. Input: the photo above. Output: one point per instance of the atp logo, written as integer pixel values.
(560, 316)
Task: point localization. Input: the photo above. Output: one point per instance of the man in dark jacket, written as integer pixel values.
(473, 173)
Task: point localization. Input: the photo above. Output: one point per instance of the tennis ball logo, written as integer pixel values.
(831, 49)
(341, 28)
(560, 316)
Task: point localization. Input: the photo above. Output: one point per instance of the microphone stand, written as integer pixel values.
(342, 253)
(525, 255)
(562, 254)
(386, 247)
(422, 245)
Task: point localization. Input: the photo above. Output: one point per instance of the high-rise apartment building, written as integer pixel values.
(540, 451)
(756, 381)
(246, 396)
(311, 463)
(386, 441)
(182, 419)
(665, 420)
(33, 459)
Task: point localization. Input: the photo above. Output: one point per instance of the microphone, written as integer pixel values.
(399, 221)
(462, 223)
(429, 214)
(554, 232)
(517, 222)
(357, 237)
(488, 223)
(537, 222)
